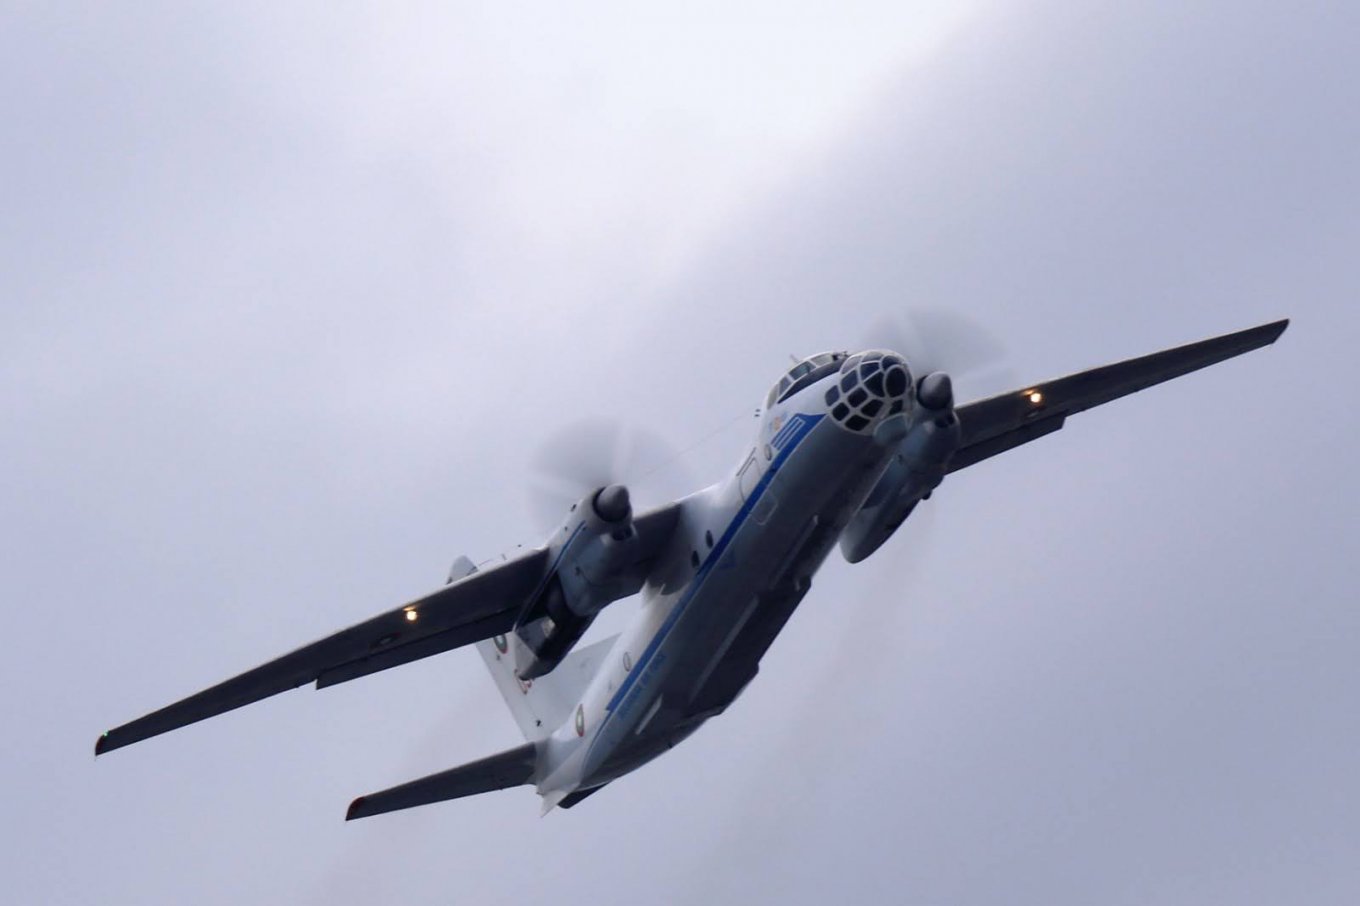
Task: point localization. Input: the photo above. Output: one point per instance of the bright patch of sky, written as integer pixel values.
(610, 136)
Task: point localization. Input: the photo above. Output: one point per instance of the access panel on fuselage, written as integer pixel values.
(749, 476)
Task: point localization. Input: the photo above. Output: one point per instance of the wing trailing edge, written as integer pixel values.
(477, 607)
(999, 423)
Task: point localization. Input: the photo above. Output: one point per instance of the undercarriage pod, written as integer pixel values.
(916, 470)
(595, 566)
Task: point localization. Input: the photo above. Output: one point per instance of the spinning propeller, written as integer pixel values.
(594, 454)
(939, 346)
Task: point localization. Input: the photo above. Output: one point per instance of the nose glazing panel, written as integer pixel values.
(873, 386)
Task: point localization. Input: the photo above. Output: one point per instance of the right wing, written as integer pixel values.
(1000, 423)
(477, 607)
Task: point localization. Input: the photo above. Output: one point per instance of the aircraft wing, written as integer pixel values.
(996, 424)
(484, 604)
(477, 607)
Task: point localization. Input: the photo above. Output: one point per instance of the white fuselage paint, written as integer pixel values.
(741, 557)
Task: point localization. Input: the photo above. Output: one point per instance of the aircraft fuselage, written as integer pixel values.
(741, 559)
(847, 446)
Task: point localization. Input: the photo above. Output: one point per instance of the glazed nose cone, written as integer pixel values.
(872, 386)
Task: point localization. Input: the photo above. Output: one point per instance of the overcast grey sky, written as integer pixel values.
(289, 297)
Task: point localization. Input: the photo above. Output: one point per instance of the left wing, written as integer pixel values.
(481, 605)
(475, 608)
(999, 423)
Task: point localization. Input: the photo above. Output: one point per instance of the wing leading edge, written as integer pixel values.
(999, 423)
(481, 605)
(475, 608)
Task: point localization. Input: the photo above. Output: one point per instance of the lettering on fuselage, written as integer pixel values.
(644, 681)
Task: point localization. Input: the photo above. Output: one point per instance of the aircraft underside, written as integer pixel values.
(846, 446)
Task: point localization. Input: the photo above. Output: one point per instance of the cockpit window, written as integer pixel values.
(806, 372)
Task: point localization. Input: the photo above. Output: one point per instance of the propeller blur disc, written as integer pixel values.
(591, 453)
(937, 339)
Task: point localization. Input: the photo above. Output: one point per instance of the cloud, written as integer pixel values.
(293, 295)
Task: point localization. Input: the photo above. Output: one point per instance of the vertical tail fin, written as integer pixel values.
(540, 705)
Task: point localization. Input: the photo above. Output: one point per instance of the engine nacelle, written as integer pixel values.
(915, 471)
(596, 565)
(595, 556)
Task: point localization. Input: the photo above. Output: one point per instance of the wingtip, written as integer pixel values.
(1276, 328)
(100, 744)
(354, 809)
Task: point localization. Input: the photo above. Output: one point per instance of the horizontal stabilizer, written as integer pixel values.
(512, 768)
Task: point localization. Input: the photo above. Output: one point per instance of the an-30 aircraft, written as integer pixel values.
(846, 446)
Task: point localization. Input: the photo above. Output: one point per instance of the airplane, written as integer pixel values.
(846, 446)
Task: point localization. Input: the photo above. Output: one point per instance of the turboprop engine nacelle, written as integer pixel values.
(595, 552)
(916, 470)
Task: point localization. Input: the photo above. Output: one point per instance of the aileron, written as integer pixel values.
(469, 610)
(1005, 421)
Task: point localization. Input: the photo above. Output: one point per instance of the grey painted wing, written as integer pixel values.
(506, 769)
(475, 608)
(998, 423)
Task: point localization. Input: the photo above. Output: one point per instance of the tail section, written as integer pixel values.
(512, 768)
(540, 705)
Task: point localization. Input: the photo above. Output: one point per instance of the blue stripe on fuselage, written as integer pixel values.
(801, 425)
(788, 431)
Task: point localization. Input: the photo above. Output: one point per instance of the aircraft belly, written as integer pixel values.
(737, 607)
(788, 572)
(651, 722)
